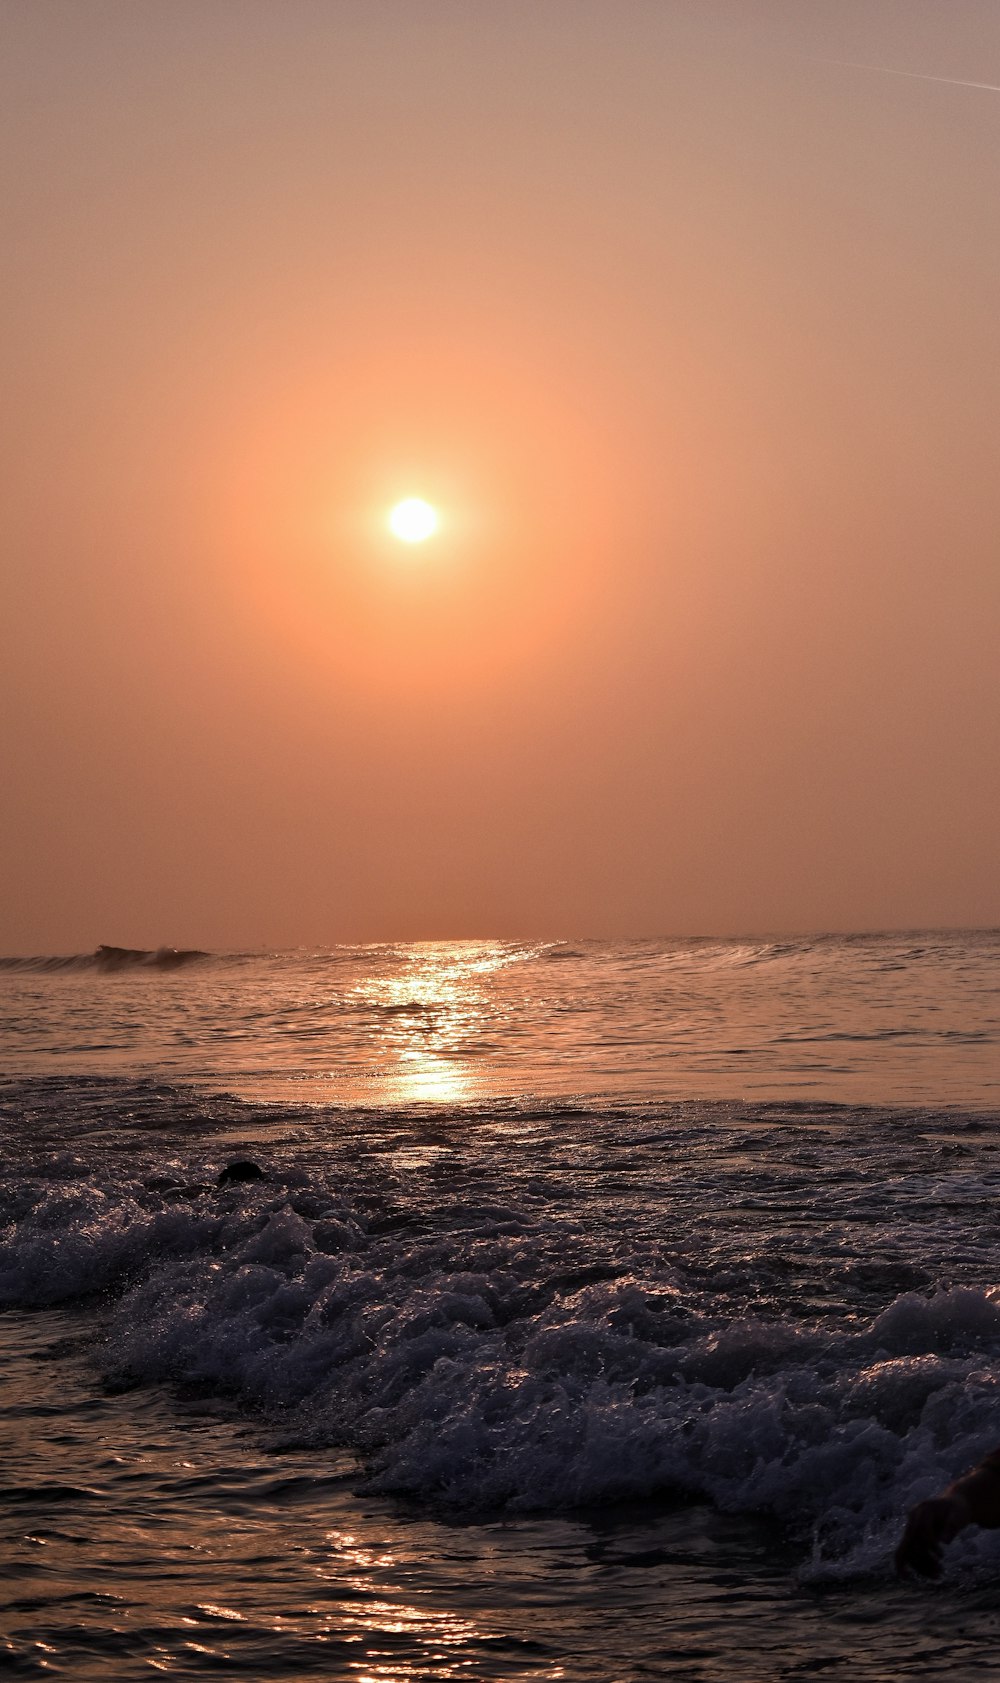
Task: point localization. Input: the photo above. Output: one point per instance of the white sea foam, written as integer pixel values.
(491, 1327)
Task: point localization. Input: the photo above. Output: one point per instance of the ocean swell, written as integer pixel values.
(105, 958)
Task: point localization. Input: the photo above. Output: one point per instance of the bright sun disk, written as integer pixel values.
(412, 520)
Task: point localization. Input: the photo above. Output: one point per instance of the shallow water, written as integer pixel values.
(149, 1536)
(634, 1384)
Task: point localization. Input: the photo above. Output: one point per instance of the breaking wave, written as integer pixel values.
(484, 1342)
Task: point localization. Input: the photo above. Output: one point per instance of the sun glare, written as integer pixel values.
(412, 520)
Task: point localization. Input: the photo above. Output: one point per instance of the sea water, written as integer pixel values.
(597, 1311)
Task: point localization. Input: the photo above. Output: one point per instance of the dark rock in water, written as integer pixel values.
(242, 1170)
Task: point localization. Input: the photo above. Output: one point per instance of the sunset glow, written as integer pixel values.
(499, 514)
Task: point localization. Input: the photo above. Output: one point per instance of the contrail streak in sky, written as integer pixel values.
(913, 75)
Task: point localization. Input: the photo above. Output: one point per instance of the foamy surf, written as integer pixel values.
(538, 1313)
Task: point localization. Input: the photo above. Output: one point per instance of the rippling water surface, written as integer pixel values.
(597, 1312)
(912, 1019)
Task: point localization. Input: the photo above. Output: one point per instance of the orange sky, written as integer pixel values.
(689, 330)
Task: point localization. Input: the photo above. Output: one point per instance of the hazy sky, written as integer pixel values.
(689, 327)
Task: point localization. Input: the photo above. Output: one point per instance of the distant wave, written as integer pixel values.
(109, 958)
(162, 958)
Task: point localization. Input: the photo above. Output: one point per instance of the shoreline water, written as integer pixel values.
(493, 1386)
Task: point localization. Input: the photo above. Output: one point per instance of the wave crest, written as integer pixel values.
(109, 958)
(469, 1371)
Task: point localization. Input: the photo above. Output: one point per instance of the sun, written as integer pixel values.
(413, 520)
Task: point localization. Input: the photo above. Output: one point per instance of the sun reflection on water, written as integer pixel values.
(429, 1635)
(431, 1016)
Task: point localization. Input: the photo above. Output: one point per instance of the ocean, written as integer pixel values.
(498, 1310)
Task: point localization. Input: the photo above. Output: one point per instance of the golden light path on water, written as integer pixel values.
(437, 1001)
(883, 1019)
(226, 1566)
